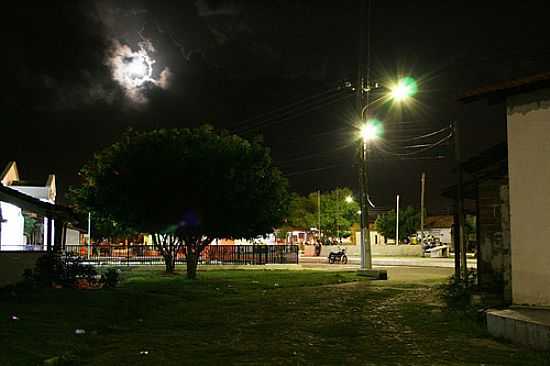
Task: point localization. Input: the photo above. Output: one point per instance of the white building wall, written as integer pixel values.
(443, 234)
(13, 228)
(529, 174)
(72, 237)
(37, 192)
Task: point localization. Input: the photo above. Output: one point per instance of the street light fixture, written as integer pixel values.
(368, 132)
(349, 199)
(403, 89)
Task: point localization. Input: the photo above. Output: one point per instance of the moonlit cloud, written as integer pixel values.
(134, 70)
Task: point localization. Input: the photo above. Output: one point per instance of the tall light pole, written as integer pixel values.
(423, 184)
(397, 222)
(368, 132)
(319, 212)
(89, 234)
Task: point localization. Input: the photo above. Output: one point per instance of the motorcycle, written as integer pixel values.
(339, 256)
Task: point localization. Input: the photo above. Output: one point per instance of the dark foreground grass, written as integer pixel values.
(247, 317)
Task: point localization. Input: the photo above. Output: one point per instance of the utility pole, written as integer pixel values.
(366, 260)
(459, 209)
(423, 185)
(338, 215)
(319, 212)
(397, 222)
(89, 233)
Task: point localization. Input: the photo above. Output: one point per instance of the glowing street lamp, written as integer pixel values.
(369, 131)
(403, 89)
(349, 199)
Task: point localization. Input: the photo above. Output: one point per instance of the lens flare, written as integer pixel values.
(370, 130)
(404, 88)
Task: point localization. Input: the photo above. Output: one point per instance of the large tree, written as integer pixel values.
(409, 223)
(338, 212)
(186, 187)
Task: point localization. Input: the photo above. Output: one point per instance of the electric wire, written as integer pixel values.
(421, 137)
(285, 109)
(380, 146)
(309, 108)
(314, 155)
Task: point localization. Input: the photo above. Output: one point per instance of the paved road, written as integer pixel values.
(394, 261)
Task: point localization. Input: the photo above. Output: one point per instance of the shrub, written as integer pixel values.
(110, 278)
(48, 270)
(76, 270)
(52, 269)
(457, 293)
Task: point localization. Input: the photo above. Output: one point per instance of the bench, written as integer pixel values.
(441, 251)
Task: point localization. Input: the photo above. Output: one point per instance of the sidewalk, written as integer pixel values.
(396, 261)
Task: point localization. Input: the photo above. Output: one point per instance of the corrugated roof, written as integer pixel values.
(508, 87)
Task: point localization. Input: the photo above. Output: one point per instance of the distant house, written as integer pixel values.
(28, 213)
(439, 228)
(520, 213)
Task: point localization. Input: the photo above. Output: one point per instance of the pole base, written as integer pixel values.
(375, 274)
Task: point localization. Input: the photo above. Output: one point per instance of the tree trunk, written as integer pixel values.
(192, 259)
(170, 263)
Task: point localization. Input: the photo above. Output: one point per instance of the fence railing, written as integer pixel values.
(212, 254)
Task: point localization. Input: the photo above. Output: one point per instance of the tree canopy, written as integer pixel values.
(187, 187)
(338, 212)
(409, 222)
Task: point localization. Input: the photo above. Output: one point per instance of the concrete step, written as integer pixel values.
(528, 327)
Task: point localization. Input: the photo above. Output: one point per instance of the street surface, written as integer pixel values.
(353, 262)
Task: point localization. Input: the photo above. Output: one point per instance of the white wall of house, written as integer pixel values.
(529, 173)
(12, 229)
(72, 237)
(443, 234)
(42, 193)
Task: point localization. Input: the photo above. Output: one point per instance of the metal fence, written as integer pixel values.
(212, 254)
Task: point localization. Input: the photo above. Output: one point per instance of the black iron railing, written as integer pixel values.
(212, 254)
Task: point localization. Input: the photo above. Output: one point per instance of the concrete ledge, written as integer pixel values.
(375, 274)
(528, 327)
(13, 264)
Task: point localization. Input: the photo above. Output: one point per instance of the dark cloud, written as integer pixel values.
(55, 57)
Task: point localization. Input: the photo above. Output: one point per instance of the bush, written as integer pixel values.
(110, 278)
(52, 269)
(76, 270)
(457, 293)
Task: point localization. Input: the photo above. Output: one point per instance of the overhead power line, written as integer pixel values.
(422, 137)
(380, 146)
(294, 114)
(287, 108)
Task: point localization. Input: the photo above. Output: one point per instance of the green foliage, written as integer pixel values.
(409, 222)
(457, 293)
(49, 269)
(52, 269)
(110, 278)
(31, 227)
(302, 212)
(337, 215)
(186, 187)
(103, 225)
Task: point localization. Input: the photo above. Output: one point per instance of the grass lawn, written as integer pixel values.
(250, 317)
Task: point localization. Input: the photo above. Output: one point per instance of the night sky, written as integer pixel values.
(227, 62)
